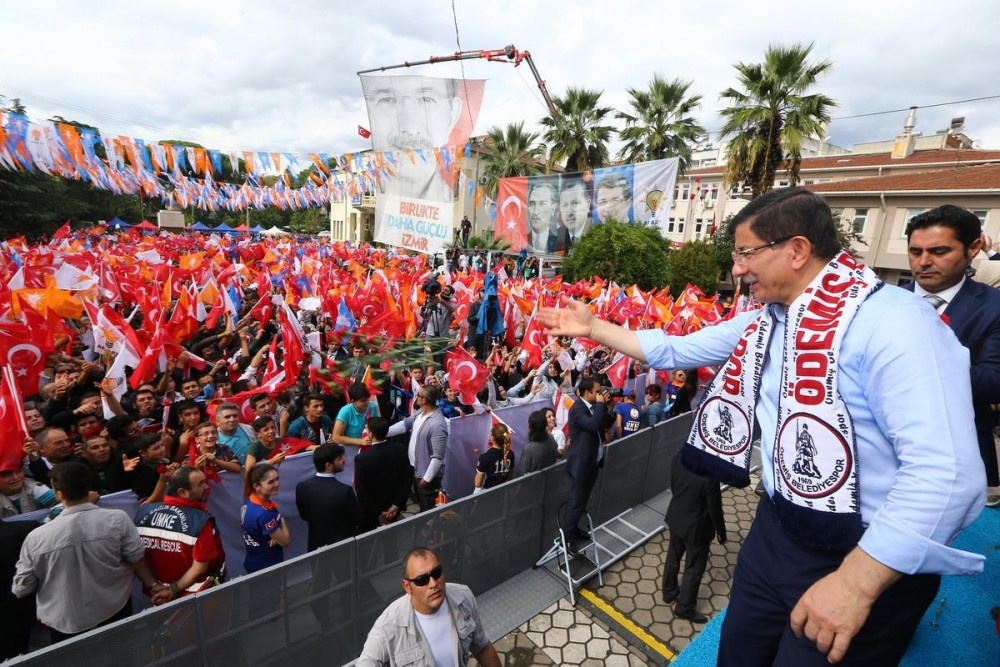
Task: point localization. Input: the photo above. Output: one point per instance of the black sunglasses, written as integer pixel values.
(425, 579)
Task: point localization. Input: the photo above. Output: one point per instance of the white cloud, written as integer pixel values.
(258, 75)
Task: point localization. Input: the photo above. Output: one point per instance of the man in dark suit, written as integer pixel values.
(586, 452)
(326, 504)
(942, 243)
(428, 430)
(382, 477)
(694, 518)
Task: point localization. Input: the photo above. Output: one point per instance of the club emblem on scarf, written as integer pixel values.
(814, 459)
(724, 427)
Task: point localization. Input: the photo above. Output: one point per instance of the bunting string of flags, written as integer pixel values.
(187, 176)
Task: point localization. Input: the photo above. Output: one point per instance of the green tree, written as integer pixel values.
(624, 252)
(772, 114)
(513, 152)
(693, 263)
(486, 243)
(310, 220)
(659, 124)
(578, 132)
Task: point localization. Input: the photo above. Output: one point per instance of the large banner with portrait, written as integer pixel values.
(412, 118)
(547, 214)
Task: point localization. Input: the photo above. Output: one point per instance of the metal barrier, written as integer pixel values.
(321, 605)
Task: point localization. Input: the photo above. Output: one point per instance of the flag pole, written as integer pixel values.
(8, 376)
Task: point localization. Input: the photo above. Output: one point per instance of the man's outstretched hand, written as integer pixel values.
(573, 319)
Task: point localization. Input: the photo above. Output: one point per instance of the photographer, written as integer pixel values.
(437, 312)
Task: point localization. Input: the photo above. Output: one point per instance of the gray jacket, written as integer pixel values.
(396, 640)
(432, 441)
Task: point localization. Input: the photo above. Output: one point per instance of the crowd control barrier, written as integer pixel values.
(321, 605)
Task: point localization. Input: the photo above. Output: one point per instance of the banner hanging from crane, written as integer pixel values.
(547, 214)
(414, 116)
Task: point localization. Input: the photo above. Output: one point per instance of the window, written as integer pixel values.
(782, 184)
(699, 225)
(910, 214)
(715, 191)
(680, 226)
(808, 181)
(670, 224)
(685, 191)
(981, 214)
(859, 221)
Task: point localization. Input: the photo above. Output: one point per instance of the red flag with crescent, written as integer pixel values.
(12, 427)
(618, 371)
(533, 342)
(512, 212)
(25, 358)
(466, 375)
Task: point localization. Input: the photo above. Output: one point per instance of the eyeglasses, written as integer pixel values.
(742, 256)
(425, 579)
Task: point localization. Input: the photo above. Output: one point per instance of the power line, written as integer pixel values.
(81, 109)
(461, 64)
(925, 106)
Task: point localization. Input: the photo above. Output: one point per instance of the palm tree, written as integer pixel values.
(772, 114)
(577, 131)
(514, 153)
(660, 123)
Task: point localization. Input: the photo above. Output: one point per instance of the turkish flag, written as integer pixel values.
(12, 431)
(618, 371)
(62, 232)
(289, 446)
(25, 358)
(294, 350)
(465, 374)
(363, 132)
(533, 342)
(512, 212)
(263, 310)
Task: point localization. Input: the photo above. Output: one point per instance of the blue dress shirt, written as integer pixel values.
(905, 379)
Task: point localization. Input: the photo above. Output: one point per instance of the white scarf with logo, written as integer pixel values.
(814, 459)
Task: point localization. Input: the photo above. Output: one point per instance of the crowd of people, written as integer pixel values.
(233, 369)
(349, 352)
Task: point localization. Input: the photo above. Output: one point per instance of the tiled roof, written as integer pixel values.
(981, 177)
(935, 156)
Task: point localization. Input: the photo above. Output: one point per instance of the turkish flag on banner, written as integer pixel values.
(512, 212)
(465, 374)
(12, 430)
(618, 371)
(364, 133)
(289, 446)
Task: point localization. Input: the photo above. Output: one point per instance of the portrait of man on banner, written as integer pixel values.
(414, 117)
(574, 210)
(613, 194)
(543, 205)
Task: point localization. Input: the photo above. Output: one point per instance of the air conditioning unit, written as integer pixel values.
(709, 203)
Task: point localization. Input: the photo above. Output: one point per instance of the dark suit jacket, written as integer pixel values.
(695, 510)
(974, 316)
(382, 477)
(330, 508)
(585, 439)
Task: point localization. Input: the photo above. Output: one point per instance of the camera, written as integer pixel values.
(612, 392)
(432, 287)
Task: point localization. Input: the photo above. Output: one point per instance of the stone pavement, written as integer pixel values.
(634, 627)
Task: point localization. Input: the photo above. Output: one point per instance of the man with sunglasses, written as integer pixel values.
(435, 623)
(845, 555)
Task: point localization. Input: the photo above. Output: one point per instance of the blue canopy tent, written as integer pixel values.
(225, 228)
(200, 226)
(118, 223)
(258, 229)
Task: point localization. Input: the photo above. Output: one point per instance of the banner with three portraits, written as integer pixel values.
(547, 214)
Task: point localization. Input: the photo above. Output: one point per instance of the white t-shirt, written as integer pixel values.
(418, 422)
(439, 631)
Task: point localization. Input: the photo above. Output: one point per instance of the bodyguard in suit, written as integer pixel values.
(382, 477)
(586, 452)
(428, 431)
(326, 504)
(694, 518)
(942, 243)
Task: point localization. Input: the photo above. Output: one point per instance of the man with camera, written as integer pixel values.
(586, 452)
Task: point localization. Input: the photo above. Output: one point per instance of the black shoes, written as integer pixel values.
(669, 599)
(692, 616)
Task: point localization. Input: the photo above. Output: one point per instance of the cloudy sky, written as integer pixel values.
(281, 76)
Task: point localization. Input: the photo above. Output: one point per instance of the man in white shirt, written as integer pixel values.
(435, 623)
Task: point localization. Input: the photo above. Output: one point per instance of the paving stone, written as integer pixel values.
(649, 586)
(598, 648)
(562, 618)
(580, 632)
(556, 637)
(574, 654)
